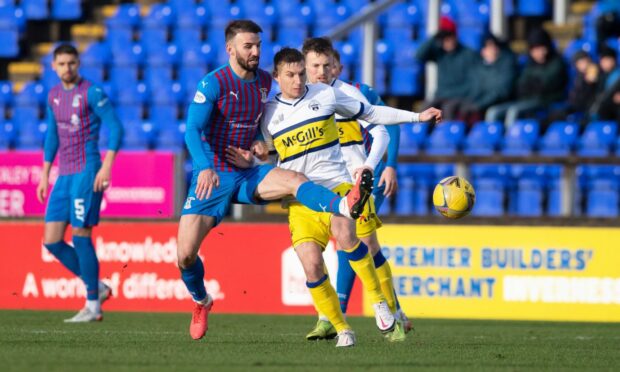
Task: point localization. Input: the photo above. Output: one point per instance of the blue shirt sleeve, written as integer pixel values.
(50, 147)
(198, 117)
(393, 130)
(100, 104)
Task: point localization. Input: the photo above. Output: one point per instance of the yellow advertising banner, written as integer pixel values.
(505, 272)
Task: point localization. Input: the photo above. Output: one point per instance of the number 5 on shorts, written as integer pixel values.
(78, 206)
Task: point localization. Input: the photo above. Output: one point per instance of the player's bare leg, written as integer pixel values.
(361, 261)
(323, 294)
(279, 183)
(193, 229)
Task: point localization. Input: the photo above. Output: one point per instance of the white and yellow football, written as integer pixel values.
(454, 197)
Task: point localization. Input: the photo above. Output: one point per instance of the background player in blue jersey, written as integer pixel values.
(75, 110)
(226, 112)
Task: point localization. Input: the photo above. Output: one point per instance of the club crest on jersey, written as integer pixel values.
(76, 101)
(263, 95)
(56, 101)
(188, 202)
(314, 105)
(200, 98)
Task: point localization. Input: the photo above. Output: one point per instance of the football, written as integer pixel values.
(454, 197)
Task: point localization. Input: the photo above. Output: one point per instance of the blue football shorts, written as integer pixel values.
(74, 200)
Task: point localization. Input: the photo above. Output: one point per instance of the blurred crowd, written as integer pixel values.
(495, 85)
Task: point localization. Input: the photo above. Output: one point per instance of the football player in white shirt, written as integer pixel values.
(319, 56)
(299, 125)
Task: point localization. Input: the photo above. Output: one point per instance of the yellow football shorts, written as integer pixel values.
(307, 225)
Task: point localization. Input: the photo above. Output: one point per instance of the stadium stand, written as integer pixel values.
(152, 54)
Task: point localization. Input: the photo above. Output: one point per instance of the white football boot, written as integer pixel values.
(384, 317)
(346, 338)
(84, 316)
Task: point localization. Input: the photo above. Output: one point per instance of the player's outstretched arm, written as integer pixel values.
(50, 148)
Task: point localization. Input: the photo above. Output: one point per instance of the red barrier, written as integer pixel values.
(250, 268)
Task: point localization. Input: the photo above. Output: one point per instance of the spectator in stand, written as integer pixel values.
(454, 63)
(583, 89)
(608, 23)
(542, 82)
(492, 82)
(606, 105)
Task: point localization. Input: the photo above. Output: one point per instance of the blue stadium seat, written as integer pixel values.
(8, 133)
(132, 55)
(355, 5)
(348, 52)
(471, 12)
(603, 198)
(163, 55)
(135, 137)
(171, 94)
(559, 139)
(126, 16)
(32, 94)
(152, 38)
(159, 16)
(413, 137)
(404, 80)
(404, 55)
(189, 76)
(405, 198)
(384, 52)
(292, 36)
(554, 190)
(483, 138)
(25, 115)
(490, 195)
(96, 54)
(330, 15)
(49, 78)
(533, 8)
(12, 18)
(266, 15)
(530, 195)
(597, 139)
(521, 138)
(579, 44)
(194, 15)
(129, 113)
(292, 13)
(31, 134)
(92, 73)
(397, 34)
(158, 76)
(136, 93)
(6, 93)
(35, 9)
(170, 138)
(66, 9)
(163, 115)
(187, 37)
(471, 36)
(446, 138)
(9, 39)
(402, 14)
(223, 13)
(123, 75)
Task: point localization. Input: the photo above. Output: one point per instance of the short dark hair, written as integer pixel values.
(319, 45)
(241, 25)
(65, 49)
(336, 54)
(286, 55)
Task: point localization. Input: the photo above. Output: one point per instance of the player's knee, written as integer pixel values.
(297, 179)
(344, 232)
(81, 231)
(314, 272)
(186, 260)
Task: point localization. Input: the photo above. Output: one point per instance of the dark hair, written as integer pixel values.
(65, 49)
(336, 54)
(319, 45)
(607, 52)
(286, 55)
(241, 25)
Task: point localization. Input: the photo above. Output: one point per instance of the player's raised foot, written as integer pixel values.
(85, 316)
(384, 317)
(402, 318)
(200, 318)
(359, 194)
(397, 334)
(323, 330)
(346, 338)
(105, 292)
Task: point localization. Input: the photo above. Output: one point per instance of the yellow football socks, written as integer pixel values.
(326, 302)
(364, 266)
(384, 273)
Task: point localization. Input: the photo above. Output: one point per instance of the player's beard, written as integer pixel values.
(246, 65)
(69, 78)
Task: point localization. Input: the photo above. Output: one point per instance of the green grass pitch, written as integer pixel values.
(31, 340)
